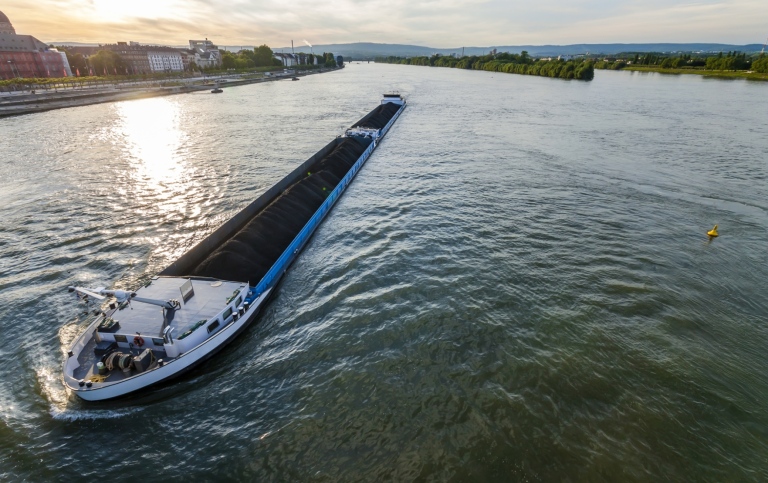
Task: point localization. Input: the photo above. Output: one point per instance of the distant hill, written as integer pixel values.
(367, 50)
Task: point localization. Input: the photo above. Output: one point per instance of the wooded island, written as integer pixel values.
(578, 69)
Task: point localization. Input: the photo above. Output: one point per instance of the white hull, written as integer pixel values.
(174, 368)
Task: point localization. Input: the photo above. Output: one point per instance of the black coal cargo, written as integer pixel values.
(251, 251)
(379, 117)
(248, 245)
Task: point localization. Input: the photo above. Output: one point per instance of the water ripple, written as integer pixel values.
(517, 286)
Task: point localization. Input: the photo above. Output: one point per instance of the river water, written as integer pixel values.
(517, 286)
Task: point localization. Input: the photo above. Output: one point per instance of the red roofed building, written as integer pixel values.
(25, 56)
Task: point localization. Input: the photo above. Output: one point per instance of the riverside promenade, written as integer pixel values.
(19, 103)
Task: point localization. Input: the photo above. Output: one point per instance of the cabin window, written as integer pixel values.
(213, 326)
(239, 301)
(120, 338)
(157, 342)
(226, 313)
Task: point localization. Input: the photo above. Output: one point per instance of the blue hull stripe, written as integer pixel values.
(289, 255)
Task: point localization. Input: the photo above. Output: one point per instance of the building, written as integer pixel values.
(5, 25)
(165, 59)
(139, 59)
(134, 56)
(23, 56)
(187, 57)
(64, 61)
(300, 58)
(206, 54)
(288, 60)
(145, 59)
(206, 60)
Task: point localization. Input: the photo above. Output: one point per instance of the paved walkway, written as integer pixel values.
(18, 103)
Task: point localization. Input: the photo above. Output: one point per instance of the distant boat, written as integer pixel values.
(294, 78)
(217, 90)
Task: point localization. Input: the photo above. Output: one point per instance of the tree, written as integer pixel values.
(329, 60)
(263, 56)
(78, 63)
(107, 62)
(761, 64)
(247, 54)
(228, 60)
(734, 61)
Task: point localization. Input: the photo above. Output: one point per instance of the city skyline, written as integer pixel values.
(440, 23)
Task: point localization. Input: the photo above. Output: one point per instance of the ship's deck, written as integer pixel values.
(210, 297)
(88, 359)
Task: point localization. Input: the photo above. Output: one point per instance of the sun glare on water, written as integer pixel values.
(151, 129)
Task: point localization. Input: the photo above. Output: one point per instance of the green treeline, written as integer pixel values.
(108, 62)
(732, 61)
(245, 59)
(262, 57)
(330, 61)
(505, 62)
(761, 65)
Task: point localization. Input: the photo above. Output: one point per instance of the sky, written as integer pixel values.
(433, 23)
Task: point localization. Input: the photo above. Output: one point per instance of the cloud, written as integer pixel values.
(437, 23)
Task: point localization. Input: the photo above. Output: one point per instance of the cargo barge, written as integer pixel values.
(203, 300)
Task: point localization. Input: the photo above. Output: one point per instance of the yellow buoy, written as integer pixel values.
(713, 232)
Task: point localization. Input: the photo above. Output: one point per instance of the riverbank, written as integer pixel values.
(707, 73)
(16, 104)
(505, 62)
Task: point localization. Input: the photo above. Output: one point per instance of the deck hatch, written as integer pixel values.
(187, 292)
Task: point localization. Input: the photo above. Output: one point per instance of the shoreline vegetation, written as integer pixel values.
(44, 84)
(255, 62)
(733, 65)
(577, 69)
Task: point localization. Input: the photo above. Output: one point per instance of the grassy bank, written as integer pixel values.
(708, 73)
